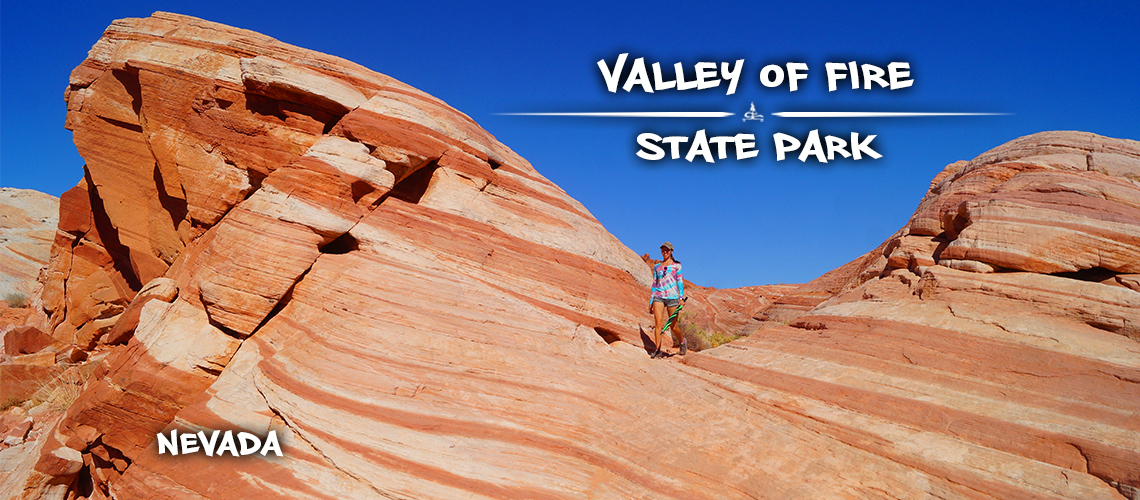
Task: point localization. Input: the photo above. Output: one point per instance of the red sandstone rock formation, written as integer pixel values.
(997, 330)
(235, 183)
(269, 238)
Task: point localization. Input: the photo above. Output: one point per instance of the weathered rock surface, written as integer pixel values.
(20, 457)
(27, 227)
(999, 323)
(268, 238)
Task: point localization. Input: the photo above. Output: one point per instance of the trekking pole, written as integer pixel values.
(672, 317)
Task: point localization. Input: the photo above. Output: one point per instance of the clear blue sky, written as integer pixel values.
(1054, 65)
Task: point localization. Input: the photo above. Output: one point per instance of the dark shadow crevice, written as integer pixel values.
(341, 245)
(292, 113)
(133, 127)
(607, 335)
(413, 187)
(176, 206)
(285, 299)
(1093, 275)
(130, 82)
(109, 235)
(360, 189)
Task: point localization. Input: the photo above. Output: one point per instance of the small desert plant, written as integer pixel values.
(699, 338)
(63, 390)
(719, 338)
(16, 299)
(9, 402)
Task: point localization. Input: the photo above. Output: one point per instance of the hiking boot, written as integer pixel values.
(658, 354)
(684, 347)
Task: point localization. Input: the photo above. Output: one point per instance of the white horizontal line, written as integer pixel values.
(636, 114)
(860, 114)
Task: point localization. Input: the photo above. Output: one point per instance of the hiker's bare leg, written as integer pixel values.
(658, 322)
(673, 327)
(680, 337)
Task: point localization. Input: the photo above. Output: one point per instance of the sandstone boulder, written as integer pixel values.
(260, 167)
(1001, 320)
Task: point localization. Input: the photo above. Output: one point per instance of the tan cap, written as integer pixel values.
(667, 245)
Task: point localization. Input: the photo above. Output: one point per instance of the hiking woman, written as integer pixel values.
(667, 293)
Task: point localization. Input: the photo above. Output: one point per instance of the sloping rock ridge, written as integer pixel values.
(272, 239)
(993, 340)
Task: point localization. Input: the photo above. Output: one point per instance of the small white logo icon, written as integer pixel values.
(752, 114)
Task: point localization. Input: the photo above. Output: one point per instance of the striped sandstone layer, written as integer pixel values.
(999, 326)
(223, 168)
(269, 238)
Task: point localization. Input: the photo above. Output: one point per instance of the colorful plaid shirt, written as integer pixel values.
(667, 282)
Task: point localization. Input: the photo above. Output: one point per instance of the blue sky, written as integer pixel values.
(1053, 65)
